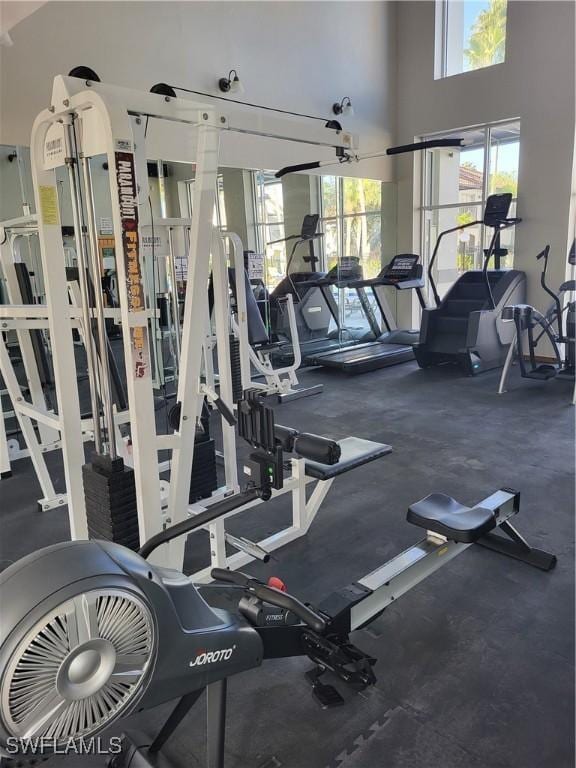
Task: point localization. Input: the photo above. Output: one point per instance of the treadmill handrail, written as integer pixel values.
(495, 240)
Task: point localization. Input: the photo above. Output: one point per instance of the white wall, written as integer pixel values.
(298, 56)
(535, 83)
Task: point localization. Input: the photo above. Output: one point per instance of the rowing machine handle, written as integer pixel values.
(273, 596)
(231, 577)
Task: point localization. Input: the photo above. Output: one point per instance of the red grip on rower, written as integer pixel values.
(277, 583)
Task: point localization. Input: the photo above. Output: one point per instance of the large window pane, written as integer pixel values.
(470, 34)
(270, 202)
(275, 261)
(363, 240)
(270, 226)
(457, 175)
(331, 243)
(448, 203)
(329, 196)
(504, 158)
(361, 195)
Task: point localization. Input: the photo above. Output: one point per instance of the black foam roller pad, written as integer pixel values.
(317, 448)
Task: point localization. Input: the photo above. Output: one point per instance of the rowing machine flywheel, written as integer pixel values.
(73, 659)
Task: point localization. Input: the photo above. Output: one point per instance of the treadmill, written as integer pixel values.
(346, 274)
(394, 345)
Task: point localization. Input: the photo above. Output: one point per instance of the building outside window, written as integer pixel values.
(470, 34)
(455, 186)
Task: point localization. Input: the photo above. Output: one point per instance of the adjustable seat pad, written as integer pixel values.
(354, 453)
(446, 516)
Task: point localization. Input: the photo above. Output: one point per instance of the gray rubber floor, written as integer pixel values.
(476, 665)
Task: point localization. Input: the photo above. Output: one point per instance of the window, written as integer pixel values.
(352, 221)
(470, 34)
(270, 225)
(351, 211)
(186, 199)
(456, 183)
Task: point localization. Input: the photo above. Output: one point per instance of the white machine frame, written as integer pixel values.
(280, 382)
(112, 124)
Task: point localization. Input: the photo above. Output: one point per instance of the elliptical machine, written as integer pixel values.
(466, 327)
(557, 325)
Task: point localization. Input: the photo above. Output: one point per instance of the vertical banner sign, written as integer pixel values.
(127, 195)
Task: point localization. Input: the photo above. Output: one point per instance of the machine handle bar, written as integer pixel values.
(210, 514)
(273, 596)
(295, 168)
(429, 144)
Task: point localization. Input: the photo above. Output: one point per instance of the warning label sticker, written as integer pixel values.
(49, 205)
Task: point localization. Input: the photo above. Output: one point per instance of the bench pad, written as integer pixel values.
(355, 453)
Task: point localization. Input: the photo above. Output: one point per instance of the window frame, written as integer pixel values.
(340, 216)
(442, 42)
(426, 182)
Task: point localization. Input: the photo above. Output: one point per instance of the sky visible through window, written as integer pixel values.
(472, 9)
(507, 157)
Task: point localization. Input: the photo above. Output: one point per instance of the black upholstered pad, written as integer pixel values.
(443, 514)
(355, 453)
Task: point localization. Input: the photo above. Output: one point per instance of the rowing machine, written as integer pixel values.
(91, 631)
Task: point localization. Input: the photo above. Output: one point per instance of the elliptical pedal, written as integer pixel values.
(543, 372)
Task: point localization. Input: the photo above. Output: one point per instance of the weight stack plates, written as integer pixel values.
(110, 496)
(237, 391)
(204, 480)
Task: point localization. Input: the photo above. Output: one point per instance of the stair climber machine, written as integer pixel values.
(394, 345)
(557, 325)
(466, 326)
(317, 315)
(92, 631)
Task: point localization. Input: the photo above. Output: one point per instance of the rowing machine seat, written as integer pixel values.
(446, 516)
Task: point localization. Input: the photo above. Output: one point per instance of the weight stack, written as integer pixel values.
(237, 391)
(110, 495)
(204, 479)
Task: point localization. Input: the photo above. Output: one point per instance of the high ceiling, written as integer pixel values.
(13, 12)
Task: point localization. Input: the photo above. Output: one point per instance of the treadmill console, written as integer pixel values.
(402, 268)
(347, 268)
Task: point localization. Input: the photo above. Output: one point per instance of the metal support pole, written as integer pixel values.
(174, 300)
(216, 725)
(71, 163)
(195, 310)
(5, 469)
(105, 388)
(176, 716)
